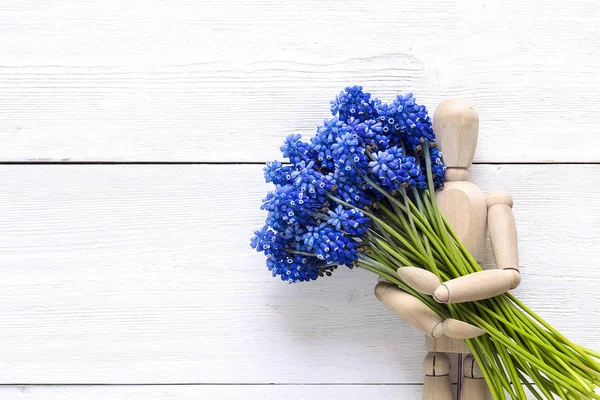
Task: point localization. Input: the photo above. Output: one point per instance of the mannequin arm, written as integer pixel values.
(414, 312)
(484, 284)
(502, 230)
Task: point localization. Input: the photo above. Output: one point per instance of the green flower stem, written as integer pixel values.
(535, 339)
(557, 334)
(508, 360)
(519, 363)
(516, 388)
(541, 382)
(497, 368)
(426, 252)
(541, 334)
(410, 229)
(301, 253)
(380, 254)
(381, 273)
(523, 365)
(423, 224)
(400, 238)
(420, 220)
(474, 264)
(386, 236)
(412, 232)
(485, 355)
(408, 203)
(535, 376)
(394, 253)
(410, 219)
(591, 352)
(437, 251)
(437, 215)
(551, 372)
(453, 254)
(490, 354)
(531, 388)
(440, 309)
(551, 356)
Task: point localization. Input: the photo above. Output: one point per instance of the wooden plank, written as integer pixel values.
(143, 274)
(213, 392)
(228, 80)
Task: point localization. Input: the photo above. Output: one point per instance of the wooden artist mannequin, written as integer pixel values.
(471, 214)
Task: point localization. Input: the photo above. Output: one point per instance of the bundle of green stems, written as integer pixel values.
(519, 350)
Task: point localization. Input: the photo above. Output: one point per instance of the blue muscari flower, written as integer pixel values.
(294, 233)
(389, 168)
(354, 124)
(276, 220)
(371, 132)
(277, 199)
(387, 118)
(290, 267)
(297, 201)
(278, 174)
(438, 168)
(414, 122)
(295, 268)
(353, 102)
(350, 157)
(287, 205)
(331, 245)
(350, 221)
(295, 149)
(271, 170)
(421, 182)
(261, 240)
(390, 128)
(350, 189)
(268, 241)
(323, 140)
(310, 182)
(416, 176)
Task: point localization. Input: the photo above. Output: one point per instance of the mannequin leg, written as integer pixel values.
(474, 386)
(437, 384)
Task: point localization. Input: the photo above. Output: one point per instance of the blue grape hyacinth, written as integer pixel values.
(318, 214)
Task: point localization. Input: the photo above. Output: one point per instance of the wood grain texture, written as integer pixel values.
(227, 80)
(143, 274)
(217, 392)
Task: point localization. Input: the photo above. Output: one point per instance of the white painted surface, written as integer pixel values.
(220, 392)
(142, 273)
(227, 80)
(216, 392)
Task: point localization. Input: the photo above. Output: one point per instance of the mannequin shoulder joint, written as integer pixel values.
(499, 197)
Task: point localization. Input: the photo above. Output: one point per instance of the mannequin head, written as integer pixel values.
(456, 126)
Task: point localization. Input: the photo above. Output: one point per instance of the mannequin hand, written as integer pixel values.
(416, 313)
(477, 286)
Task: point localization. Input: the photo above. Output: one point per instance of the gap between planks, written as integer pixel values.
(256, 163)
(215, 384)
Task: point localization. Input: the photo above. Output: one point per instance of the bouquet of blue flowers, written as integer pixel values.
(361, 193)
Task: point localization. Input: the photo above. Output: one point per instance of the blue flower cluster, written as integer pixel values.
(314, 220)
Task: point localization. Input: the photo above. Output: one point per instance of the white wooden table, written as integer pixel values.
(131, 138)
